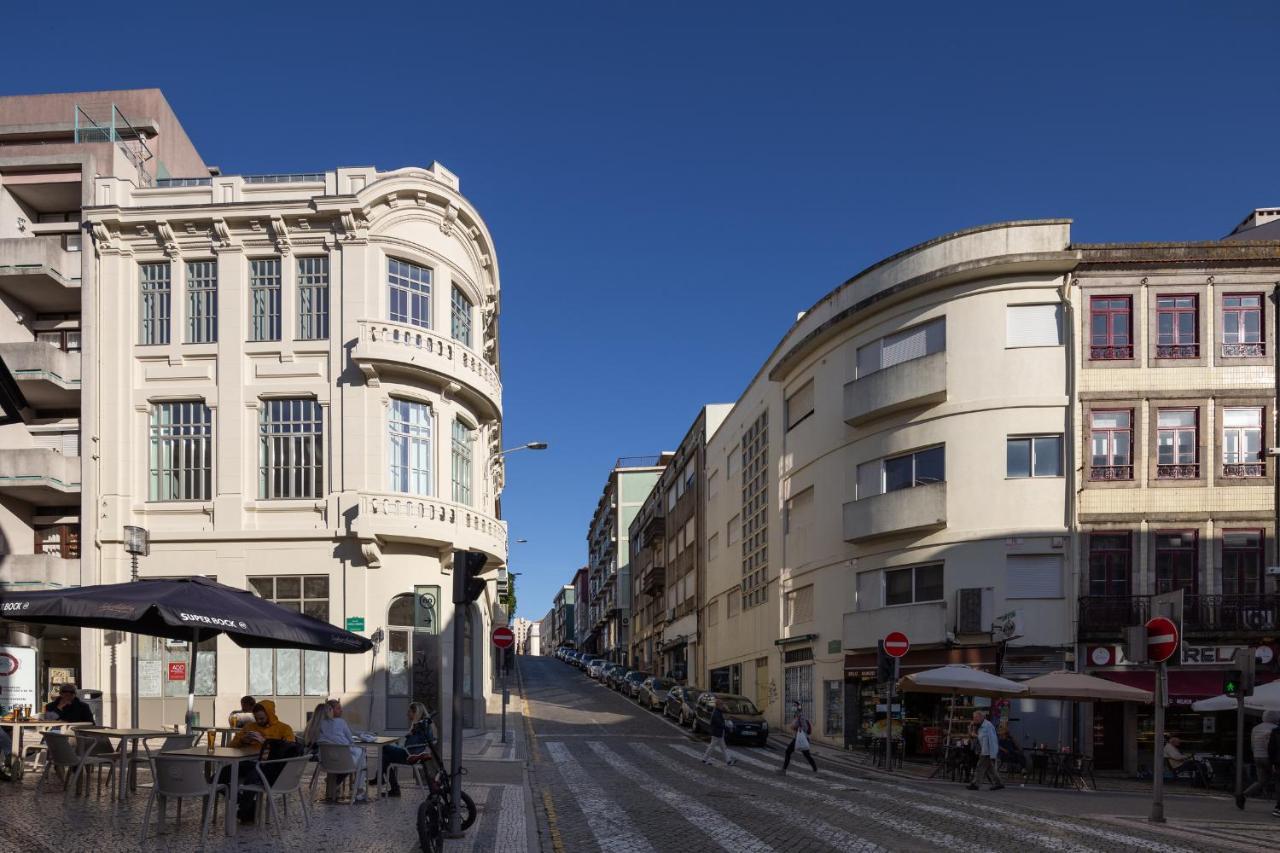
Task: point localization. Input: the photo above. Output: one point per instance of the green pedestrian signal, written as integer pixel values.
(1231, 683)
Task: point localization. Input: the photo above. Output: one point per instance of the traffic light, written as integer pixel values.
(1232, 683)
(886, 665)
(468, 585)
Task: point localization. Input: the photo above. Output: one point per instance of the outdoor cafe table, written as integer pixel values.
(222, 756)
(128, 748)
(373, 757)
(226, 733)
(35, 725)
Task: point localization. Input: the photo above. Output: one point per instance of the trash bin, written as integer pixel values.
(93, 698)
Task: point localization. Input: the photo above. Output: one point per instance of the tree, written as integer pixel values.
(509, 600)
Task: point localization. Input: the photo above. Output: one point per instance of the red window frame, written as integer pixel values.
(1177, 344)
(1178, 468)
(1110, 563)
(1177, 566)
(1238, 563)
(1111, 346)
(1111, 470)
(1241, 348)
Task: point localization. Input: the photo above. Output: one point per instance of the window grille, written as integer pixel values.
(460, 307)
(313, 298)
(156, 293)
(462, 442)
(1110, 328)
(291, 449)
(264, 299)
(410, 439)
(291, 672)
(202, 302)
(181, 463)
(1242, 326)
(410, 293)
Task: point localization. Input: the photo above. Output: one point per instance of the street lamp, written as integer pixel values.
(533, 445)
(137, 542)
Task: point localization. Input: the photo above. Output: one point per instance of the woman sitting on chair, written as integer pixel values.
(419, 738)
(326, 728)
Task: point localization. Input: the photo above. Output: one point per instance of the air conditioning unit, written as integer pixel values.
(973, 610)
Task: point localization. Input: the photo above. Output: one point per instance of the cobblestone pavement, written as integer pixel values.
(610, 776)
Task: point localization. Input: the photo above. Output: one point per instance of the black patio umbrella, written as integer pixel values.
(192, 609)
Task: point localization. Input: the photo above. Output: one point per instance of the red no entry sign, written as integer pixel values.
(896, 644)
(504, 637)
(1162, 639)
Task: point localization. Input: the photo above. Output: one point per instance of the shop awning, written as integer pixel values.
(1184, 686)
(978, 657)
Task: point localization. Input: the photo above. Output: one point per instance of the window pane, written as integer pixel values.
(1048, 456)
(1018, 457)
(1177, 417)
(1110, 420)
(929, 466)
(1242, 417)
(928, 583)
(317, 587)
(1121, 456)
(897, 473)
(260, 669)
(288, 672)
(264, 587)
(288, 588)
(315, 673)
(897, 586)
(316, 610)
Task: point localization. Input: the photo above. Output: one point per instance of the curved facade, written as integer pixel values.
(300, 393)
(872, 477)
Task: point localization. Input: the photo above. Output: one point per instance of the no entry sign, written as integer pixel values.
(1162, 639)
(896, 644)
(504, 637)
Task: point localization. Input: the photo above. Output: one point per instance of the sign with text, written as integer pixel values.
(178, 670)
(426, 609)
(17, 676)
(355, 623)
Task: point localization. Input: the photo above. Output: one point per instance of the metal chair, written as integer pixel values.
(288, 781)
(67, 755)
(182, 778)
(335, 760)
(175, 741)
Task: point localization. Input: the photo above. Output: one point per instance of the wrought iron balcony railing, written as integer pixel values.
(1256, 349)
(1178, 472)
(1243, 470)
(1177, 350)
(1111, 353)
(1110, 472)
(1202, 613)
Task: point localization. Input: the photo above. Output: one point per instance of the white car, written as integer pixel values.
(596, 667)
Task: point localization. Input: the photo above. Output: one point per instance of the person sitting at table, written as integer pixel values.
(1010, 753)
(1180, 763)
(266, 730)
(68, 708)
(265, 726)
(326, 727)
(245, 715)
(419, 738)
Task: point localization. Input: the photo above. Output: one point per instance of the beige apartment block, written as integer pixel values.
(862, 483)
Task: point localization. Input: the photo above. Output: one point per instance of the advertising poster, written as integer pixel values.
(17, 676)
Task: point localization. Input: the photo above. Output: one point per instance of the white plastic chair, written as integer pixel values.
(335, 760)
(182, 778)
(67, 755)
(289, 781)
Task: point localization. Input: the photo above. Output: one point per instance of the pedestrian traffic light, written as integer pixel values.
(886, 665)
(468, 585)
(1232, 683)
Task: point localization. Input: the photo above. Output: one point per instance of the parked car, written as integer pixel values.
(596, 667)
(612, 673)
(742, 720)
(682, 704)
(652, 692)
(630, 683)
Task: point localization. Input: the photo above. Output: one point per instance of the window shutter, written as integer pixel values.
(1033, 576)
(47, 440)
(869, 590)
(905, 346)
(1033, 326)
(868, 359)
(71, 443)
(800, 404)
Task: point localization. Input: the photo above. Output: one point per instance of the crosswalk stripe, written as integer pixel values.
(719, 829)
(610, 825)
(906, 827)
(846, 842)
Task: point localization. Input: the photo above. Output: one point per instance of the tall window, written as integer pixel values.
(1242, 326)
(1242, 443)
(155, 308)
(1241, 562)
(313, 298)
(1176, 444)
(799, 406)
(264, 299)
(202, 302)
(291, 449)
(1111, 445)
(410, 440)
(463, 439)
(1176, 561)
(1177, 319)
(1110, 563)
(1033, 456)
(410, 293)
(1110, 327)
(181, 457)
(755, 512)
(460, 316)
(291, 672)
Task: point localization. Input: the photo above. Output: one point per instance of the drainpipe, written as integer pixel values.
(1275, 434)
(1070, 486)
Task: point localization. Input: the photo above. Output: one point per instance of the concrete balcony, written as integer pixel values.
(924, 623)
(393, 517)
(922, 508)
(384, 349)
(38, 571)
(48, 377)
(912, 384)
(40, 274)
(39, 476)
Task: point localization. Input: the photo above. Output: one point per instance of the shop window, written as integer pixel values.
(833, 708)
(291, 672)
(726, 679)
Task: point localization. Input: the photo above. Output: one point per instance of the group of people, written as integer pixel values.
(68, 707)
(800, 731)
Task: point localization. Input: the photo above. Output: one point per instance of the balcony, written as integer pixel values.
(924, 623)
(653, 579)
(395, 349)
(911, 384)
(918, 509)
(40, 274)
(1110, 472)
(38, 571)
(1177, 350)
(1246, 350)
(1109, 615)
(393, 517)
(1178, 472)
(1104, 353)
(1243, 470)
(48, 377)
(39, 476)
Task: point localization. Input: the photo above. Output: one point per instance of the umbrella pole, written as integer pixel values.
(191, 683)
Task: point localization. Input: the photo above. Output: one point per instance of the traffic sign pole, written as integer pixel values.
(1157, 758)
(895, 645)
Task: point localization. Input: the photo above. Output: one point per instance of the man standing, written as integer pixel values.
(1259, 740)
(988, 751)
(717, 735)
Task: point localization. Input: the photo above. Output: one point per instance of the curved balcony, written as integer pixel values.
(917, 510)
(391, 517)
(40, 274)
(385, 349)
(38, 571)
(40, 476)
(916, 383)
(48, 377)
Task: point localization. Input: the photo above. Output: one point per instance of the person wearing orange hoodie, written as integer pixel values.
(265, 726)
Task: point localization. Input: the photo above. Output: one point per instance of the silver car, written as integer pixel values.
(596, 667)
(652, 692)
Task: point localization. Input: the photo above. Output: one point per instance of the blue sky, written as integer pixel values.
(669, 183)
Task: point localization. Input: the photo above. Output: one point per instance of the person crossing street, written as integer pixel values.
(717, 736)
(1259, 739)
(988, 751)
(801, 729)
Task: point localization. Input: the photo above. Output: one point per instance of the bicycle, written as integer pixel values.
(435, 811)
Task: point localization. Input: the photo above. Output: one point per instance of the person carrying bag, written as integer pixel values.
(800, 739)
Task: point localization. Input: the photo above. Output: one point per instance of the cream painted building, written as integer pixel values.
(295, 389)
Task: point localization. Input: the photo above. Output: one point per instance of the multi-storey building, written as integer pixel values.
(564, 623)
(608, 564)
(584, 636)
(292, 382)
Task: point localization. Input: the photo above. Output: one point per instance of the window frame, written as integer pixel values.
(1258, 552)
(1175, 347)
(1109, 349)
(412, 435)
(1243, 468)
(155, 304)
(915, 584)
(1112, 585)
(192, 440)
(461, 316)
(1179, 468)
(1161, 584)
(302, 600)
(791, 419)
(265, 299)
(413, 292)
(202, 301)
(1111, 471)
(286, 439)
(312, 289)
(1032, 456)
(1244, 348)
(462, 442)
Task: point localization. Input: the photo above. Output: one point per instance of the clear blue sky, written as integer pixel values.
(669, 183)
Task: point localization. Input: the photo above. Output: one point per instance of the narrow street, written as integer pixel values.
(610, 776)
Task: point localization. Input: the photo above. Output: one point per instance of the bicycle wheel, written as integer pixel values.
(431, 825)
(468, 811)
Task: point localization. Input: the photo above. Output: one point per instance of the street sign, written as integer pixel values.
(355, 623)
(896, 644)
(1162, 639)
(504, 637)
(426, 609)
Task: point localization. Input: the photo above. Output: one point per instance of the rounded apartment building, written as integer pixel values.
(899, 463)
(299, 394)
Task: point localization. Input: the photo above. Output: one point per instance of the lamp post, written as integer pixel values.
(532, 445)
(137, 542)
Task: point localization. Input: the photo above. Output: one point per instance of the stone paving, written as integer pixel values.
(609, 776)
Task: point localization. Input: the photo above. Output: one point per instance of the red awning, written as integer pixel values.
(1185, 686)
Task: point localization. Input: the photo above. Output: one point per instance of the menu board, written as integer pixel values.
(150, 674)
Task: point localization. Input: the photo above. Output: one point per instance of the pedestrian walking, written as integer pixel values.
(801, 729)
(717, 736)
(1259, 740)
(988, 752)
